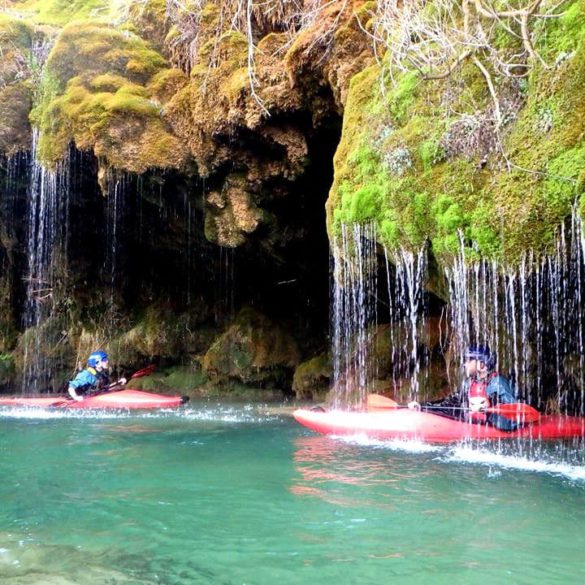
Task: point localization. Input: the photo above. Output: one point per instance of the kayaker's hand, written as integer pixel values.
(413, 405)
(477, 403)
(122, 381)
(74, 394)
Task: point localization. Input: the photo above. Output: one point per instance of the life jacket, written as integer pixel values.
(478, 389)
(101, 383)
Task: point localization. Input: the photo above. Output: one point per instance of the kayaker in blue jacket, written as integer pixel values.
(483, 388)
(94, 378)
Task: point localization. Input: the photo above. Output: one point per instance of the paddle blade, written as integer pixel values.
(379, 402)
(144, 372)
(517, 411)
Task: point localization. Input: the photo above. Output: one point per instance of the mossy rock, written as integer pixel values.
(61, 12)
(425, 175)
(162, 334)
(15, 130)
(186, 380)
(253, 351)
(7, 371)
(311, 378)
(96, 93)
(16, 91)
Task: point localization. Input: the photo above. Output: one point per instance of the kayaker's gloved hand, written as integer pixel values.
(414, 405)
(477, 403)
(121, 381)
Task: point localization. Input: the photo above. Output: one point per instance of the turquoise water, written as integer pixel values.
(220, 495)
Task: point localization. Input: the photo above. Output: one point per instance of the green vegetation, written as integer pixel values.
(415, 163)
(6, 368)
(61, 12)
(96, 92)
(16, 66)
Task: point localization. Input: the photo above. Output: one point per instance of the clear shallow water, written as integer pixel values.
(218, 495)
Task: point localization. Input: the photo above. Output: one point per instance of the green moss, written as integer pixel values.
(400, 99)
(6, 368)
(14, 33)
(430, 152)
(392, 166)
(561, 36)
(102, 89)
(61, 12)
(109, 82)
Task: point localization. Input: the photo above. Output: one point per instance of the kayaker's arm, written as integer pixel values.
(500, 392)
(82, 380)
(450, 406)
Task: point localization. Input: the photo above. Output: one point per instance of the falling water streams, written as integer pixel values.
(532, 315)
(407, 316)
(47, 226)
(353, 313)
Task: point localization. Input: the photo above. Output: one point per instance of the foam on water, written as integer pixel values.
(559, 464)
(482, 456)
(216, 413)
(48, 414)
(395, 444)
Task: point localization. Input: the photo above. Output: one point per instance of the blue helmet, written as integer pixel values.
(481, 353)
(96, 357)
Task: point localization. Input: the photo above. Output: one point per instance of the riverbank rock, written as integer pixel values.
(253, 351)
(311, 378)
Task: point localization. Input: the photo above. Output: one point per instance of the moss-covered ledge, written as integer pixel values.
(16, 84)
(422, 172)
(105, 90)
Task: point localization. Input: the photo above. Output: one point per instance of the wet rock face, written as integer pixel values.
(232, 213)
(311, 378)
(253, 351)
(202, 177)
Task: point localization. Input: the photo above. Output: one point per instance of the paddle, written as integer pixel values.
(379, 402)
(138, 374)
(514, 411)
(143, 372)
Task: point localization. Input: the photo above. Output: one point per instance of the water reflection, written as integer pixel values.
(329, 469)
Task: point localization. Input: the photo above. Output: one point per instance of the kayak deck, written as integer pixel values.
(412, 424)
(128, 399)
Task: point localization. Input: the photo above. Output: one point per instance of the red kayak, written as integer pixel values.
(129, 399)
(424, 426)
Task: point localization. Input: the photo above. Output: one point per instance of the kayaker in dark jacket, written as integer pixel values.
(94, 378)
(483, 388)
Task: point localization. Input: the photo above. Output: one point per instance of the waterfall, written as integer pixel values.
(117, 187)
(224, 306)
(407, 316)
(531, 315)
(47, 226)
(353, 307)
